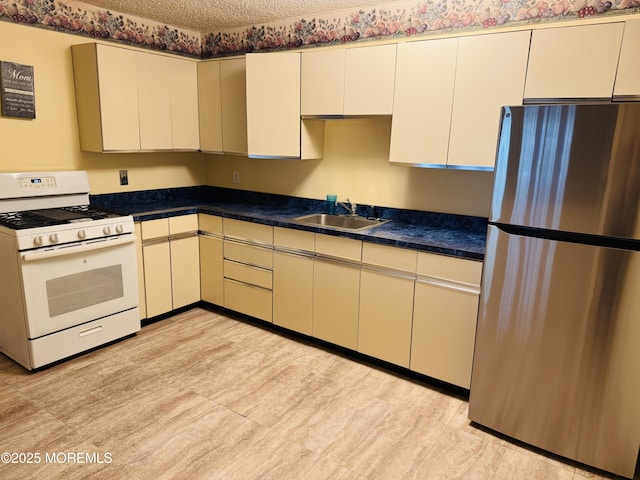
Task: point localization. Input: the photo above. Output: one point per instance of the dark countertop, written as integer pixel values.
(454, 235)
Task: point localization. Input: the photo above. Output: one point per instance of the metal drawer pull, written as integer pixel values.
(91, 331)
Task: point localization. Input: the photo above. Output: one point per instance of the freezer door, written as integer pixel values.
(573, 168)
(558, 348)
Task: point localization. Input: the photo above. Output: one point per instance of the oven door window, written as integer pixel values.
(84, 289)
(65, 289)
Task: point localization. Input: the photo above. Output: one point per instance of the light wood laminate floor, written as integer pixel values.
(201, 395)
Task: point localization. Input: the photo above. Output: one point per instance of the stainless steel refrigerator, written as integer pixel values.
(557, 353)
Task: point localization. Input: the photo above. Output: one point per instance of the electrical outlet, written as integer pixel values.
(236, 176)
(124, 177)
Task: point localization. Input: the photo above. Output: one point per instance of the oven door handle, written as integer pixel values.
(85, 247)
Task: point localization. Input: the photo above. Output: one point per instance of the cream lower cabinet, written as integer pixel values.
(211, 259)
(386, 303)
(142, 305)
(444, 317)
(336, 290)
(170, 256)
(293, 279)
(248, 268)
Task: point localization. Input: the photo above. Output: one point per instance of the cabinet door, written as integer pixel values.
(157, 275)
(573, 62)
(106, 97)
(323, 82)
(273, 104)
(490, 73)
(423, 99)
(386, 312)
(369, 80)
(210, 106)
(185, 271)
(234, 105)
(211, 269)
(140, 264)
(444, 326)
(183, 81)
(628, 76)
(336, 288)
(154, 102)
(293, 291)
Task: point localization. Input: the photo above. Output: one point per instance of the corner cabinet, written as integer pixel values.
(449, 116)
(444, 317)
(570, 63)
(223, 106)
(211, 259)
(130, 101)
(274, 125)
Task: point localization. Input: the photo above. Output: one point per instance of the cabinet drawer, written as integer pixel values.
(247, 274)
(389, 257)
(155, 228)
(250, 254)
(210, 223)
(248, 231)
(294, 239)
(339, 247)
(248, 299)
(450, 268)
(183, 224)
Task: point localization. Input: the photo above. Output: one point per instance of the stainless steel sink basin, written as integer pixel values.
(342, 222)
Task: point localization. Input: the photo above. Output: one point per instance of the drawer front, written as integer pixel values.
(389, 257)
(450, 268)
(155, 228)
(210, 223)
(248, 299)
(250, 254)
(339, 247)
(248, 231)
(294, 239)
(247, 274)
(183, 224)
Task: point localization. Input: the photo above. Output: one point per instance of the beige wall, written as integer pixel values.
(355, 163)
(50, 142)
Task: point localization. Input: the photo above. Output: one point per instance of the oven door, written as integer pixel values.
(73, 284)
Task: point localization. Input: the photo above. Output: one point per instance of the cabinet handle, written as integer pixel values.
(226, 279)
(291, 252)
(450, 284)
(338, 261)
(389, 272)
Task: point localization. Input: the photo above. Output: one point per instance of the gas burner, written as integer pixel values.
(54, 216)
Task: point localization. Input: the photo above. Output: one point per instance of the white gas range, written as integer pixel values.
(69, 279)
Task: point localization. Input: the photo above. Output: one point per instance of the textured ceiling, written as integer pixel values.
(206, 16)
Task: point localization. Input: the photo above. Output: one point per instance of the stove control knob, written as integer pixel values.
(53, 238)
(107, 230)
(82, 234)
(119, 228)
(38, 240)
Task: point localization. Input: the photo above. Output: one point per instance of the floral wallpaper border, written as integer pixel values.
(397, 19)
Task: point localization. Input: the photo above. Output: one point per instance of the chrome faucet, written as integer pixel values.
(350, 207)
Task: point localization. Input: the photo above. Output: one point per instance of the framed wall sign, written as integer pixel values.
(16, 90)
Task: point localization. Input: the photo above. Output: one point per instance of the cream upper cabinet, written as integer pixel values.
(274, 127)
(183, 83)
(223, 106)
(369, 79)
(450, 115)
(573, 62)
(322, 82)
(490, 73)
(106, 98)
(627, 85)
(354, 81)
(129, 101)
(210, 106)
(154, 102)
(423, 101)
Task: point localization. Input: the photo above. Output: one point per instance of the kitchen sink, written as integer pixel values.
(342, 222)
